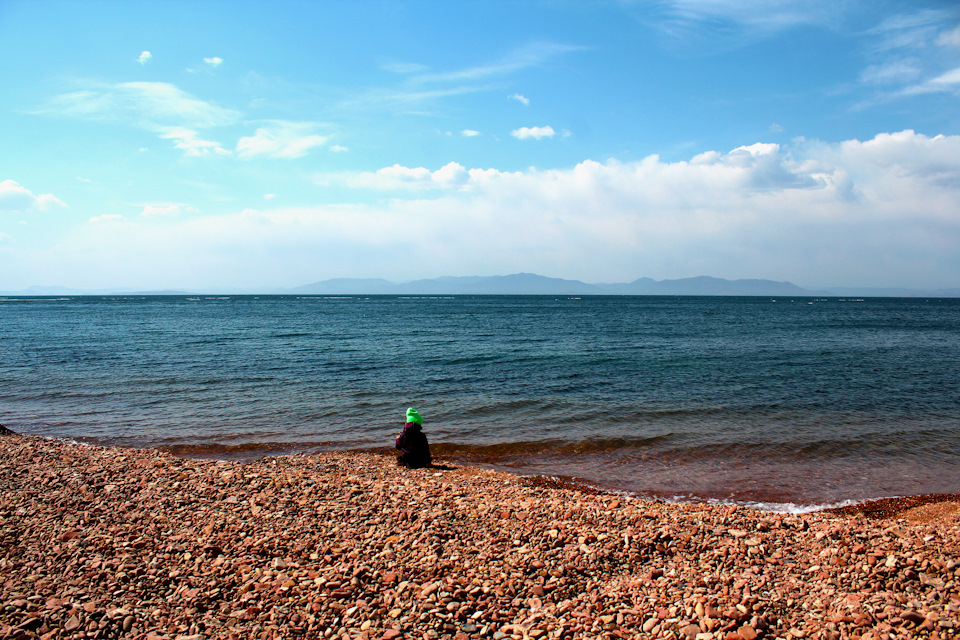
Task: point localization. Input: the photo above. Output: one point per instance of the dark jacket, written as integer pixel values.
(413, 445)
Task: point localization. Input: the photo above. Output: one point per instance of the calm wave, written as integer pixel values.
(745, 399)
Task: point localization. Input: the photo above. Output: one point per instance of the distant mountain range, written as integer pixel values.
(532, 284)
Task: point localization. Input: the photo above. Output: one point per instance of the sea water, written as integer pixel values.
(777, 401)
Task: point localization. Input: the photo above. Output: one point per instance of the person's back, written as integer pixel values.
(412, 443)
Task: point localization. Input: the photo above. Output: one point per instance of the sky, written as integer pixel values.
(248, 145)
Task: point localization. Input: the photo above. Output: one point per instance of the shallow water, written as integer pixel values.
(805, 401)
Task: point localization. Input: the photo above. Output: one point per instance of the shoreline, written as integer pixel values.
(887, 505)
(105, 542)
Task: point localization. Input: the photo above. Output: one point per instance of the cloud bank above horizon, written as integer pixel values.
(813, 209)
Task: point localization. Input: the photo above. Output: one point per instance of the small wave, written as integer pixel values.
(547, 447)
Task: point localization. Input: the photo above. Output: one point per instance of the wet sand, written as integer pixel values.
(111, 543)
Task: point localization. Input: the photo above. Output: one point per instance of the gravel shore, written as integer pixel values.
(111, 543)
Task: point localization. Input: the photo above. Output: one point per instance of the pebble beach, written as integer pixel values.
(124, 543)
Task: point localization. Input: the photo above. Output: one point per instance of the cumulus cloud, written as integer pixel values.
(214, 61)
(469, 133)
(144, 57)
(15, 197)
(522, 99)
(877, 212)
(873, 212)
(281, 139)
(188, 141)
(537, 133)
(398, 177)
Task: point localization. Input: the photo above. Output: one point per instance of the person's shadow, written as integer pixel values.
(441, 467)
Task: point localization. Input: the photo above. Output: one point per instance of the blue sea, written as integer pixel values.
(778, 402)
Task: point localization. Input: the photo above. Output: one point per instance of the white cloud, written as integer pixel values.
(269, 196)
(336, 148)
(896, 71)
(15, 197)
(735, 22)
(469, 133)
(191, 145)
(151, 105)
(878, 212)
(281, 139)
(949, 79)
(166, 209)
(529, 55)
(537, 133)
(906, 31)
(398, 177)
(947, 82)
(214, 61)
(520, 98)
(950, 38)
(144, 57)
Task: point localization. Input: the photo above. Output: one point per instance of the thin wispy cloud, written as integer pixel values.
(150, 105)
(915, 54)
(732, 23)
(191, 144)
(531, 55)
(910, 30)
(949, 38)
(163, 209)
(281, 139)
(522, 99)
(214, 61)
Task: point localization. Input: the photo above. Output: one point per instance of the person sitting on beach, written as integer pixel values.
(412, 443)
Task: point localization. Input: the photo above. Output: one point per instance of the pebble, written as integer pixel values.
(99, 541)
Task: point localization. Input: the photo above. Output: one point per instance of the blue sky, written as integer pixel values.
(214, 145)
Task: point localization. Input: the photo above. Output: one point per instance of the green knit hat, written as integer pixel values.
(413, 416)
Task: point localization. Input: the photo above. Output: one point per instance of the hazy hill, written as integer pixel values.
(532, 284)
(527, 284)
